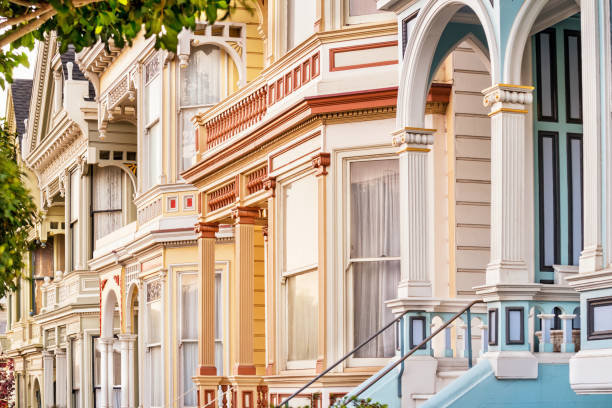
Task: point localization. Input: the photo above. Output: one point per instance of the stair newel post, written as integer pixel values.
(469, 337)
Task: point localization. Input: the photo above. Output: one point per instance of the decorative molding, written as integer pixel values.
(413, 136)
(206, 230)
(270, 185)
(222, 196)
(255, 180)
(334, 51)
(320, 162)
(245, 215)
(506, 93)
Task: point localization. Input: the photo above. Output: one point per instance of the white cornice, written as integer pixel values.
(591, 281)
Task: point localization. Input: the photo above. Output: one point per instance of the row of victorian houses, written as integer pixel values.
(223, 223)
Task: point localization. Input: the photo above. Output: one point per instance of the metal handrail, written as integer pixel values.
(417, 347)
(347, 355)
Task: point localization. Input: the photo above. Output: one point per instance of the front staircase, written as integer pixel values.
(448, 370)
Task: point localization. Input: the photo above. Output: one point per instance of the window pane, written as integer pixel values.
(219, 357)
(201, 78)
(573, 75)
(188, 147)
(417, 331)
(75, 179)
(515, 325)
(155, 323)
(373, 284)
(154, 156)
(218, 307)
(602, 318)
(76, 364)
(302, 316)
(190, 364)
(300, 222)
(301, 15)
(374, 209)
(189, 306)
(547, 87)
(96, 362)
(576, 197)
(548, 198)
(492, 326)
(153, 100)
(362, 7)
(156, 377)
(74, 228)
(106, 195)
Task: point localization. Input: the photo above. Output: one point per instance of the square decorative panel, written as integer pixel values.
(188, 202)
(172, 204)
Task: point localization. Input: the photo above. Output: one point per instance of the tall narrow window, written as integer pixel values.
(154, 366)
(546, 75)
(97, 379)
(574, 168)
(116, 392)
(75, 199)
(189, 336)
(106, 200)
(75, 357)
(299, 212)
(219, 321)
(573, 76)
(200, 88)
(549, 200)
(153, 130)
(407, 24)
(374, 251)
(301, 16)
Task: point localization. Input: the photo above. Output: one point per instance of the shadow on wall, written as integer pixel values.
(478, 388)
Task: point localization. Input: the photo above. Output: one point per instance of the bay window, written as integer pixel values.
(200, 88)
(152, 119)
(299, 271)
(154, 366)
(106, 200)
(374, 251)
(189, 336)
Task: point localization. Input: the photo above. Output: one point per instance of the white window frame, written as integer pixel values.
(181, 340)
(366, 18)
(149, 125)
(283, 275)
(344, 159)
(148, 346)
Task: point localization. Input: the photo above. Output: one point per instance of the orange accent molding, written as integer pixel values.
(245, 215)
(245, 369)
(205, 229)
(207, 370)
(334, 51)
(320, 162)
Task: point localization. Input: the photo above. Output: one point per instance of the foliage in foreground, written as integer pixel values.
(17, 214)
(7, 383)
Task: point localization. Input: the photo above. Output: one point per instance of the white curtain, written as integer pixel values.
(201, 78)
(302, 319)
(189, 336)
(374, 224)
(106, 200)
(188, 146)
(156, 376)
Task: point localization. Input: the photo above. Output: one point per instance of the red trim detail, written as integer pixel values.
(334, 51)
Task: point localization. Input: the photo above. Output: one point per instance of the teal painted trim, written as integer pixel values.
(478, 388)
(548, 307)
(562, 127)
(591, 344)
(452, 35)
(507, 16)
(384, 391)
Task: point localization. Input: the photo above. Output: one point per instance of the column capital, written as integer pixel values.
(106, 340)
(128, 338)
(567, 316)
(519, 95)
(206, 229)
(245, 215)
(320, 162)
(60, 352)
(269, 184)
(413, 139)
(546, 316)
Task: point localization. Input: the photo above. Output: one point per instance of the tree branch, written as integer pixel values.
(24, 17)
(17, 33)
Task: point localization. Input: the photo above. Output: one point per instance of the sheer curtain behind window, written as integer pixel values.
(75, 357)
(106, 201)
(189, 336)
(201, 78)
(374, 250)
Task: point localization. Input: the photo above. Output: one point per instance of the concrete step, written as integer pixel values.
(419, 399)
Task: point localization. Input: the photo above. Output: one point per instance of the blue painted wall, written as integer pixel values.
(479, 388)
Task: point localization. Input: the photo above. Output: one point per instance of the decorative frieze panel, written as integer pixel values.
(131, 273)
(154, 290)
(150, 211)
(223, 196)
(255, 180)
(118, 103)
(61, 160)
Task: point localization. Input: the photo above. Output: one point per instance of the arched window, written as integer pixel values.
(557, 320)
(200, 80)
(200, 87)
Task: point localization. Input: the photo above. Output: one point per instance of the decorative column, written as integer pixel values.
(567, 346)
(206, 251)
(126, 342)
(60, 378)
(320, 162)
(508, 105)
(270, 187)
(484, 339)
(105, 346)
(68, 267)
(546, 343)
(85, 219)
(48, 374)
(244, 284)
(57, 90)
(415, 236)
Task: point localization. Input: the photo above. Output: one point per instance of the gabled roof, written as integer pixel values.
(21, 92)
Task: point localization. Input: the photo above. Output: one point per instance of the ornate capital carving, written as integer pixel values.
(320, 162)
(269, 184)
(413, 139)
(245, 215)
(507, 93)
(206, 229)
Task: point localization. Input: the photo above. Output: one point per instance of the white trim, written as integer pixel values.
(384, 16)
